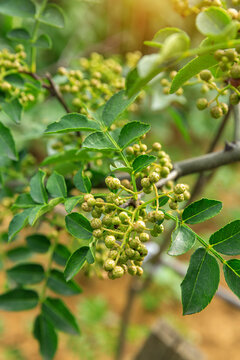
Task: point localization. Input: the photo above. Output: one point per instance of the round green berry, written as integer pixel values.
(173, 205)
(234, 99)
(145, 182)
(216, 112)
(164, 172)
(134, 243)
(109, 265)
(132, 270)
(129, 150)
(144, 237)
(110, 241)
(179, 188)
(96, 223)
(118, 272)
(139, 226)
(113, 254)
(130, 253)
(124, 218)
(205, 75)
(202, 103)
(156, 146)
(97, 233)
(139, 271)
(235, 71)
(154, 177)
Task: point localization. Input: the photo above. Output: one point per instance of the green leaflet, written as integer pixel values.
(56, 185)
(61, 254)
(71, 202)
(46, 335)
(98, 141)
(212, 21)
(232, 275)
(200, 283)
(55, 311)
(21, 8)
(227, 239)
(142, 161)
(115, 106)
(53, 16)
(79, 226)
(191, 69)
(19, 34)
(26, 274)
(72, 122)
(43, 42)
(7, 145)
(201, 210)
(13, 110)
(18, 222)
(182, 240)
(37, 188)
(18, 300)
(38, 243)
(82, 182)
(131, 132)
(77, 261)
(57, 283)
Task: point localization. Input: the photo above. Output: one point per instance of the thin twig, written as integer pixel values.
(55, 91)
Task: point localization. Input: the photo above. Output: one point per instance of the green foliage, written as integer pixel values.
(68, 168)
(201, 210)
(198, 288)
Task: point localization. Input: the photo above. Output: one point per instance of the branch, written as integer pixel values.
(54, 90)
(207, 162)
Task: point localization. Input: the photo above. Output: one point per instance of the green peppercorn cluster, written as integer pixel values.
(123, 222)
(94, 82)
(12, 63)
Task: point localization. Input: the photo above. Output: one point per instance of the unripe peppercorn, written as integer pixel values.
(144, 237)
(123, 216)
(107, 220)
(145, 182)
(202, 103)
(88, 197)
(99, 203)
(234, 99)
(173, 205)
(179, 197)
(136, 148)
(109, 265)
(139, 271)
(96, 223)
(86, 207)
(143, 147)
(91, 201)
(179, 188)
(235, 71)
(186, 195)
(113, 254)
(134, 243)
(132, 270)
(129, 150)
(123, 258)
(118, 272)
(116, 221)
(142, 250)
(216, 112)
(147, 190)
(205, 75)
(130, 253)
(158, 228)
(219, 54)
(97, 233)
(96, 213)
(110, 241)
(154, 177)
(164, 172)
(224, 108)
(139, 226)
(159, 215)
(156, 146)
